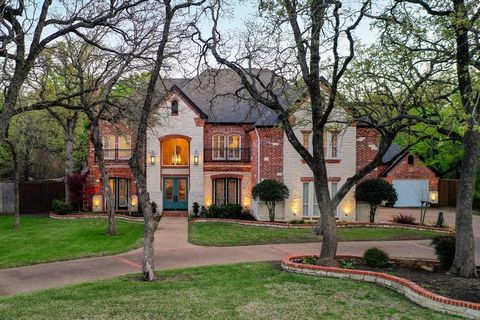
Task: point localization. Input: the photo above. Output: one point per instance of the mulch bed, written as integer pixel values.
(437, 281)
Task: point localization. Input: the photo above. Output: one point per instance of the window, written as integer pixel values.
(109, 146)
(174, 107)
(120, 192)
(333, 189)
(234, 147)
(316, 208)
(226, 191)
(306, 140)
(218, 147)
(175, 152)
(411, 160)
(334, 144)
(305, 199)
(124, 147)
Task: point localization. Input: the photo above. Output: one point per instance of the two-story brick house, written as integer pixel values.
(209, 146)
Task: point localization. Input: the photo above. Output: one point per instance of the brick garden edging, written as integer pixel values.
(283, 225)
(93, 216)
(409, 289)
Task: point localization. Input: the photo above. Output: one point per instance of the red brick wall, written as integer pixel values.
(271, 153)
(367, 143)
(212, 129)
(418, 170)
(253, 157)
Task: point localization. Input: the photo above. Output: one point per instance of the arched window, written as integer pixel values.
(218, 143)
(175, 152)
(411, 160)
(174, 107)
(234, 143)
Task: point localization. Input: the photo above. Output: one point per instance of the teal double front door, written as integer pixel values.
(175, 193)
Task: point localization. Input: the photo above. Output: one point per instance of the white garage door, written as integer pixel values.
(411, 192)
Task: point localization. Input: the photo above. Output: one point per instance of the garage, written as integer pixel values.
(411, 192)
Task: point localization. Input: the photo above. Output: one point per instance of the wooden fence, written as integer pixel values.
(7, 197)
(447, 192)
(37, 196)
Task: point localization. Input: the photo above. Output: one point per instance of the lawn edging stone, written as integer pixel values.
(93, 216)
(284, 225)
(409, 289)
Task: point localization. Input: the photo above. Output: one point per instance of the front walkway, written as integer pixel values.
(172, 250)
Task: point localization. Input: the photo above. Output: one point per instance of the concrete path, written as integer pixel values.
(172, 250)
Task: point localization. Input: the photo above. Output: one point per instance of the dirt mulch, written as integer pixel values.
(437, 281)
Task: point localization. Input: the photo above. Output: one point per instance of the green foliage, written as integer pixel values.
(297, 221)
(196, 209)
(269, 190)
(228, 211)
(444, 250)
(60, 207)
(404, 218)
(375, 257)
(374, 191)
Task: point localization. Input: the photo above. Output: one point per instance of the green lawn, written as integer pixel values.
(242, 291)
(42, 239)
(227, 234)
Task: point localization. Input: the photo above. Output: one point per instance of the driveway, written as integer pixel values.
(172, 251)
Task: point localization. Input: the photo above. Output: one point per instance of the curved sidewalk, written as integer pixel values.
(172, 251)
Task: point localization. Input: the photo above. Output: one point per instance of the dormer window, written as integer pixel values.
(174, 107)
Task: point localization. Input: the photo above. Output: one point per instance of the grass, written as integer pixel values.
(242, 291)
(227, 234)
(42, 239)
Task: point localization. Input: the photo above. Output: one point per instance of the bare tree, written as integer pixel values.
(28, 27)
(312, 43)
(453, 35)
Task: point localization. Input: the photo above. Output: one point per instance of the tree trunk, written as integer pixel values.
(271, 211)
(69, 166)
(107, 192)
(16, 190)
(464, 261)
(327, 222)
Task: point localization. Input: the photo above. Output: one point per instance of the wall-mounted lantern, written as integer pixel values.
(97, 203)
(433, 197)
(134, 203)
(152, 158)
(195, 157)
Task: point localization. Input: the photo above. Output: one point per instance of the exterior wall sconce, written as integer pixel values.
(134, 203)
(433, 197)
(195, 158)
(152, 158)
(97, 203)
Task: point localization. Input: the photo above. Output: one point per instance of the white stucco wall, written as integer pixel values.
(181, 124)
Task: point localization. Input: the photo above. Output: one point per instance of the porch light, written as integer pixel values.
(152, 158)
(433, 197)
(195, 158)
(134, 203)
(97, 203)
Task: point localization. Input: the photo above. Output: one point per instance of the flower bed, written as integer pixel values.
(408, 288)
(93, 216)
(339, 225)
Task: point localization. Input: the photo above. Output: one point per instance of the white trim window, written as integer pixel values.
(108, 142)
(310, 206)
(334, 144)
(305, 201)
(218, 151)
(234, 143)
(124, 147)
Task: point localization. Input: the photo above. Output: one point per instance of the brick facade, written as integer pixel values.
(417, 170)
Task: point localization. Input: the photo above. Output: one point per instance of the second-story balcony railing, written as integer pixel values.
(116, 154)
(227, 154)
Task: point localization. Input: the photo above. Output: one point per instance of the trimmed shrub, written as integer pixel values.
(195, 209)
(270, 191)
(299, 221)
(404, 219)
(375, 191)
(60, 207)
(228, 211)
(444, 250)
(375, 257)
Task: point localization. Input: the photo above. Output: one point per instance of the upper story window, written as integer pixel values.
(306, 140)
(410, 160)
(234, 142)
(174, 107)
(175, 152)
(334, 144)
(124, 147)
(218, 152)
(226, 147)
(117, 147)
